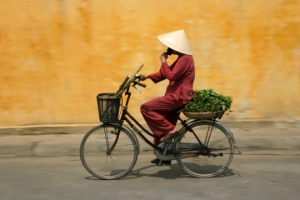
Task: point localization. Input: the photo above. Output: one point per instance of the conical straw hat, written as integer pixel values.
(176, 40)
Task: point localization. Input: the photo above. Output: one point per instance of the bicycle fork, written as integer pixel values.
(108, 148)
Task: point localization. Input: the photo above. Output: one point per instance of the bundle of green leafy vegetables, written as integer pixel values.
(208, 101)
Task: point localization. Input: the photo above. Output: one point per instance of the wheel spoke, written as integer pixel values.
(217, 142)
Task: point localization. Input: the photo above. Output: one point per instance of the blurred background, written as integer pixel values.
(57, 55)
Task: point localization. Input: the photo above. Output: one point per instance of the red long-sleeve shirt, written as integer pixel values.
(181, 75)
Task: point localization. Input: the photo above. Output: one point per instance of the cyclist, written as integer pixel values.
(160, 113)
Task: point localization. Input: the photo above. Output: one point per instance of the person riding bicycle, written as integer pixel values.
(161, 113)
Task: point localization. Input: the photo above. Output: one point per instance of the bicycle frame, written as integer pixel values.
(127, 117)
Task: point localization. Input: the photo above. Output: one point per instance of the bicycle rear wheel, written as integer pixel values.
(209, 161)
(99, 160)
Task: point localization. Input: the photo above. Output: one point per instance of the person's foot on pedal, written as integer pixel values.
(169, 136)
(163, 162)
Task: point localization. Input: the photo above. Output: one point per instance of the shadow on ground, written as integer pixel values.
(173, 171)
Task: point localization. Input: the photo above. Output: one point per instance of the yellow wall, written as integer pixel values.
(57, 55)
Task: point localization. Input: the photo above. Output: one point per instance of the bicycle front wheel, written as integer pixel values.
(101, 158)
(210, 159)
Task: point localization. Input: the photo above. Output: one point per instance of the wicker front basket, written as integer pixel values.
(204, 115)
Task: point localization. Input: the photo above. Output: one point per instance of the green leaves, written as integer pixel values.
(208, 101)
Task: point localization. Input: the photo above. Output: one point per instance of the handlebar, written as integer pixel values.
(139, 83)
(128, 80)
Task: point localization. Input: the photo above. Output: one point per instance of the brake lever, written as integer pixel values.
(136, 89)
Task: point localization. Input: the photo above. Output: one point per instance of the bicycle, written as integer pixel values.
(205, 148)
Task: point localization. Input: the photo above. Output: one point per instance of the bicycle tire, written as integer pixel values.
(116, 164)
(209, 161)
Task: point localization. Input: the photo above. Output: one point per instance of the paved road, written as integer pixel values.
(253, 175)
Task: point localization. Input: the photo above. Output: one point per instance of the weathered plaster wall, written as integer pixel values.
(57, 55)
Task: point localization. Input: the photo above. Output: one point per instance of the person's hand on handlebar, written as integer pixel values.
(142, 77)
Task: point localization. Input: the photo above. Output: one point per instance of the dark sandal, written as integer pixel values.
(163, 162)
(171, 137)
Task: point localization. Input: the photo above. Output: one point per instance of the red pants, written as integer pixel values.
(161, 115)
